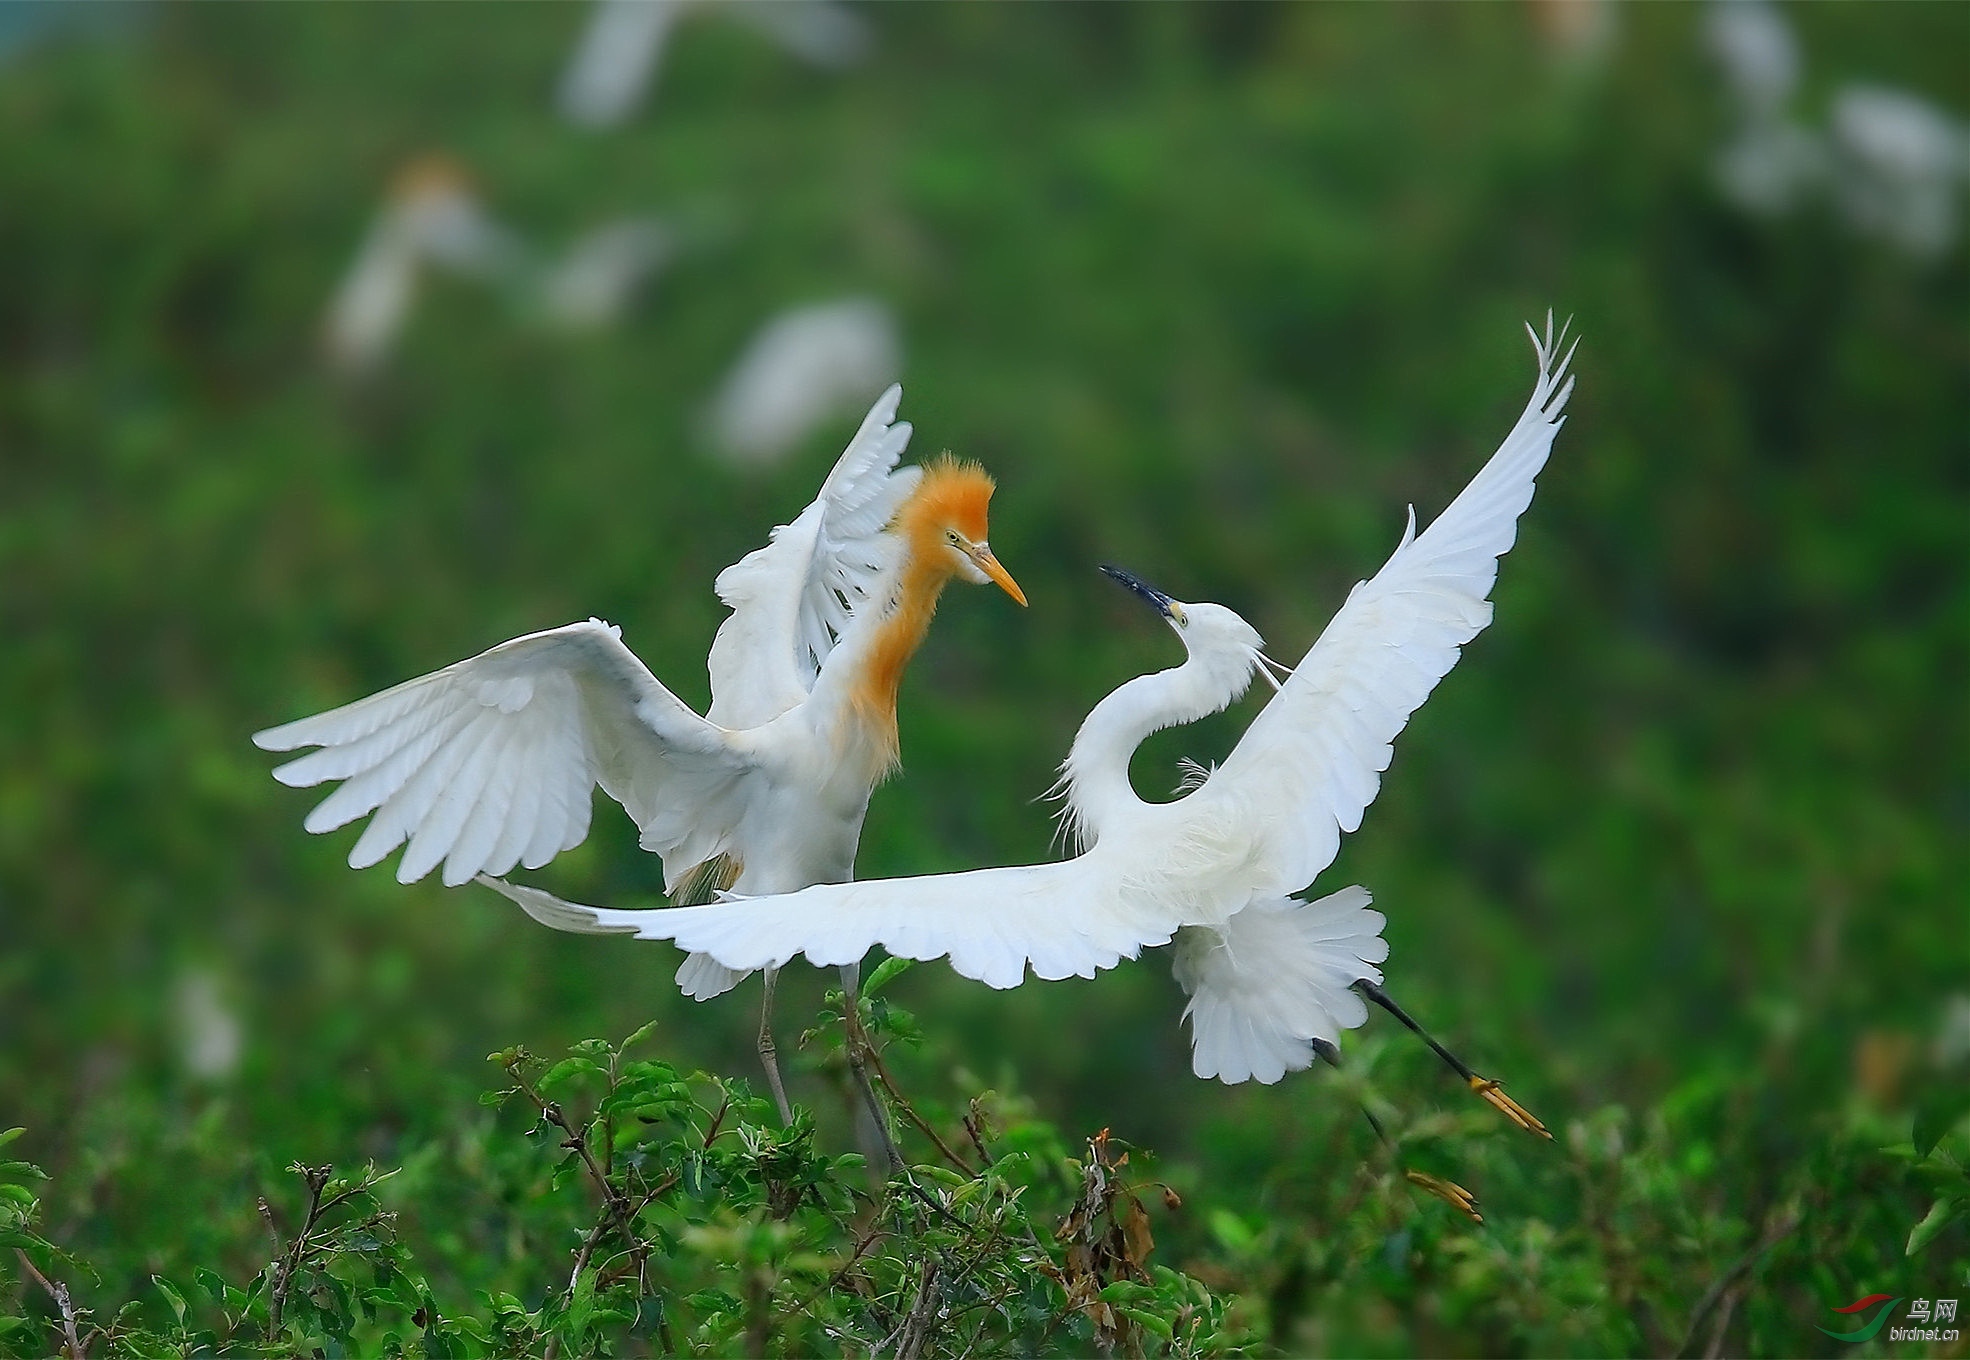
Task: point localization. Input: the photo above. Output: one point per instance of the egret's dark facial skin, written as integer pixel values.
(1158, 598)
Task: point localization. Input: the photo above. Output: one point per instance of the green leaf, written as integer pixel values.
(214, 1286)
(1941, 1214)
(563, 1071)
(1154, 1322)
(1937, 1113)
(171, 1296)
(886, 972)
(10, 1135)
(639, 1036)
(581, 1301)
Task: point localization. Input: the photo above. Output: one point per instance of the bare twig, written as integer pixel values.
(59, 1293)
(916, 1327)
(1777, 1231)
(718, 1119)
(910, 1113)
(971, 1132)
(868, 1239)
(267, 1217)
(289, 1261)
(1722, 1325)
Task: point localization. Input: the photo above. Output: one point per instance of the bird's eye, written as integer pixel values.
(951, 537)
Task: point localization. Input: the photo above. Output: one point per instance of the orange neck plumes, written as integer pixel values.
(952, 496)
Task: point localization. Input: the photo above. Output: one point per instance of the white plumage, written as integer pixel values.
(492, 762)
(1267, 976)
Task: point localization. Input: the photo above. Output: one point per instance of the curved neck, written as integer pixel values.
(879, 652)
(1096, 771)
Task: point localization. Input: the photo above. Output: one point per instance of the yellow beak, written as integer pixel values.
(1000, 576)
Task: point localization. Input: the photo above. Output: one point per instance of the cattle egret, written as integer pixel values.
(616, 62)
(1891, 162)
(433, 220)
(590, 285)
(492, 762)
(432, 217)
(804, 365)
(1268, 976)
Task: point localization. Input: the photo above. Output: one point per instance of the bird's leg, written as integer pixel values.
(855, 1042)
(1451, 1193)
(769, 1053)
(1490, 1091)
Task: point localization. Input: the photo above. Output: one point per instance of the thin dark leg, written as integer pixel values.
(1451, 1193)
(1490, 1091)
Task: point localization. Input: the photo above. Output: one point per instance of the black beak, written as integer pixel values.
(1140, 587)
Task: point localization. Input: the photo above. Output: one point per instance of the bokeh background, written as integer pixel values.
(1214, 291)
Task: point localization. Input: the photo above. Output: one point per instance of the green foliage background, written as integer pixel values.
(1214, 292)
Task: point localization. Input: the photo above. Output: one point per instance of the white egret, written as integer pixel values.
(492, 762)
(801, 368)
(433, 219)
(1268, 976)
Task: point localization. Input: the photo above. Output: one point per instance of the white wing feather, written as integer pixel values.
(1312, 761)
(791, 599)
(492, 762)
(1060, 920)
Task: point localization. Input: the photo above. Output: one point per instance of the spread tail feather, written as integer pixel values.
(1275, 977)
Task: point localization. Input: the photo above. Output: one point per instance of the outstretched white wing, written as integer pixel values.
(492, 762)
(1061, 920)
(790, 600)
(1312, 761)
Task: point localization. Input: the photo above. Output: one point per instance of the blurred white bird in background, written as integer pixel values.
(1893, 164)
(616, 60)
(1902, 166)
(492, 762)
(593, 282)
(432, 218)
(1269, 977)
(805, 366)
(210, 1037)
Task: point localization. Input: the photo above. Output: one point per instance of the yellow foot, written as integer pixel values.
(1494, 1095)
(1451, 1193)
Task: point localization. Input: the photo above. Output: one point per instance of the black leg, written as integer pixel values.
(1451, 1193)
(1490, 1091)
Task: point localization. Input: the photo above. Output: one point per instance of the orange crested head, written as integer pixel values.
(954, 494)
(944, 521)
(943, 524)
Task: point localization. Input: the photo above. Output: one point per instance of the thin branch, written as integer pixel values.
(916, 1327)
(971, 1132)
(909, 1112)
(289, 1261)
(718, 1119)
(1787, 1224)
(59, 1293)
(868, 1240)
